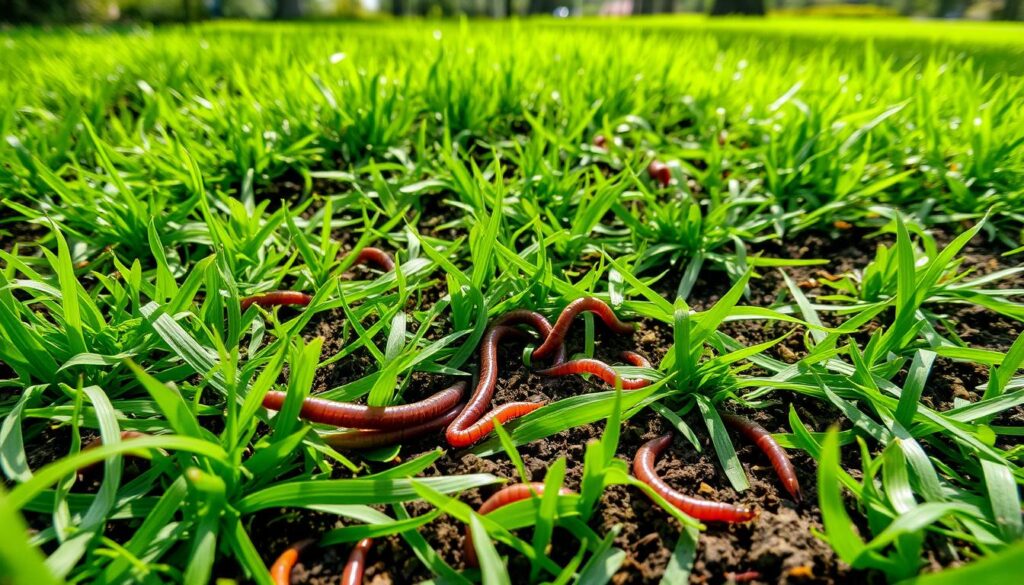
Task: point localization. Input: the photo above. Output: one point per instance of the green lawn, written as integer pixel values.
(153, 178)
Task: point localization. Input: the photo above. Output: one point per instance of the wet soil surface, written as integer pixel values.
(779, 545)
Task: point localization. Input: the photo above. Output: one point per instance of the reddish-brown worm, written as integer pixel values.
(370, 439)
(602, 370)
(594, 305)
(471, 424)
(281, 570)
(767, 444)
(360, 416)
(501, 498)
(743, 577)
(643, 469)
(376, 256)
(660, 172)
(353, 573)
(277, 298)
(538, 322)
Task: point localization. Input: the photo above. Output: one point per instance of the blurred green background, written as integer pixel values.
(105, 11)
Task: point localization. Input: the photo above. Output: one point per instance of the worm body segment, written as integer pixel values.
(586, 304)
(602, 370)
(277, 298)
(377, 257)
(353, 573)
(370, 439)
(767, 444)
(281, 570)
(643, 469)
(538, 322)
(359, 416)
(501, 498)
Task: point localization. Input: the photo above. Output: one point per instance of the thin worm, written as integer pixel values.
(353, 574)
(602, 370)
(471, 424)
(360, 416)
(376, 256)
(643, 469)
(743, 577)
(281, 570)
(767, 444)
(538, 322)
(277, 298)
(370, 439)
(592, 304)
(295, 298)
(483, 427)
(660, 172)
(501, 498)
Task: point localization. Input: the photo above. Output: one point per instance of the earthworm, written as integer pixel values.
(359, 416)
(660, 172)
(602, 370)
(766, 443)
(369, 439)
(353, 574)
(501, 498)
(277, 298)
(591, 304)
(471, 424)
(281, 570)
(295, 298)
(743, 577)
(643, 469)
(535, 320)
(376, 256)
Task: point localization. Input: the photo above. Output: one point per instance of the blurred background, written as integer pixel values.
(112, 11)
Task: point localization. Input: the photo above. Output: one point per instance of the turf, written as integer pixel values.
(836, 256)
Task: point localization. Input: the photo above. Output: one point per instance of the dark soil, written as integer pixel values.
(779, 544)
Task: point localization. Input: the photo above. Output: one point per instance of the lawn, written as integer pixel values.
(813, 226)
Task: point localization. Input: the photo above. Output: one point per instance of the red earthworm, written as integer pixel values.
(591, 304)
(767, 444)
(501, 498)
(370, 439)
(602, 370)
(471, 424)
(353, 573)
(643, 469)
(535, 320)
(277, 298)
(359, 416)
(660, 172)
(742, 577)
(485, 424)
(295, 298)
(376, 256)
(281, 570)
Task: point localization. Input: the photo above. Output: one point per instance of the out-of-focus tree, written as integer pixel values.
(1010, 11)
(399, 7)
(741, 7)
(643, 6)
(289, 9)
